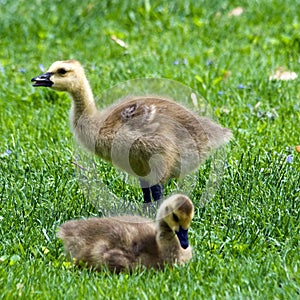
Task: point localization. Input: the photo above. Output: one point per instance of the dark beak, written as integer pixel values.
(43, 80)
(182, 235)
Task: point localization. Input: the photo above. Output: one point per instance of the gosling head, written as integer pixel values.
(177, 211)
(61, 76)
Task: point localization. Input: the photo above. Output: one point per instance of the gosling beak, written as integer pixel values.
(43, 80)
(182, 235)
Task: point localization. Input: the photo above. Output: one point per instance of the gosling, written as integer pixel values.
(126, 242)
(150, 137)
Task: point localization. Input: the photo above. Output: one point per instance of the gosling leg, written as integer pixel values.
(156, 191)
(147, 195)
(146, 191)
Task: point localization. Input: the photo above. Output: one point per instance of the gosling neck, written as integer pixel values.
(165, 232)
(83, 101)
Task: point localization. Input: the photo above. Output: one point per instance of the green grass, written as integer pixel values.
(247, 238)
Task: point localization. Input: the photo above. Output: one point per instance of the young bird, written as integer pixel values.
(124, 242)
(150, 137)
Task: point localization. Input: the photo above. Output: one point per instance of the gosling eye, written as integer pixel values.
(62, 71)
(175, 218)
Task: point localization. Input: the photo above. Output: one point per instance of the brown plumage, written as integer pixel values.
(124, 242)
(150, 137)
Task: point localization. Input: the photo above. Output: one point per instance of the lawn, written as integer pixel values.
(246, 238)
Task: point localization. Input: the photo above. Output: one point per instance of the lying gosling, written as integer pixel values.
(124, 242)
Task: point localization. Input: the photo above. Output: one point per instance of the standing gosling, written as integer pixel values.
(124, 242)
(150, 137)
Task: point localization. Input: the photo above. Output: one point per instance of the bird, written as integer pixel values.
(126, 242)
(151, 137)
